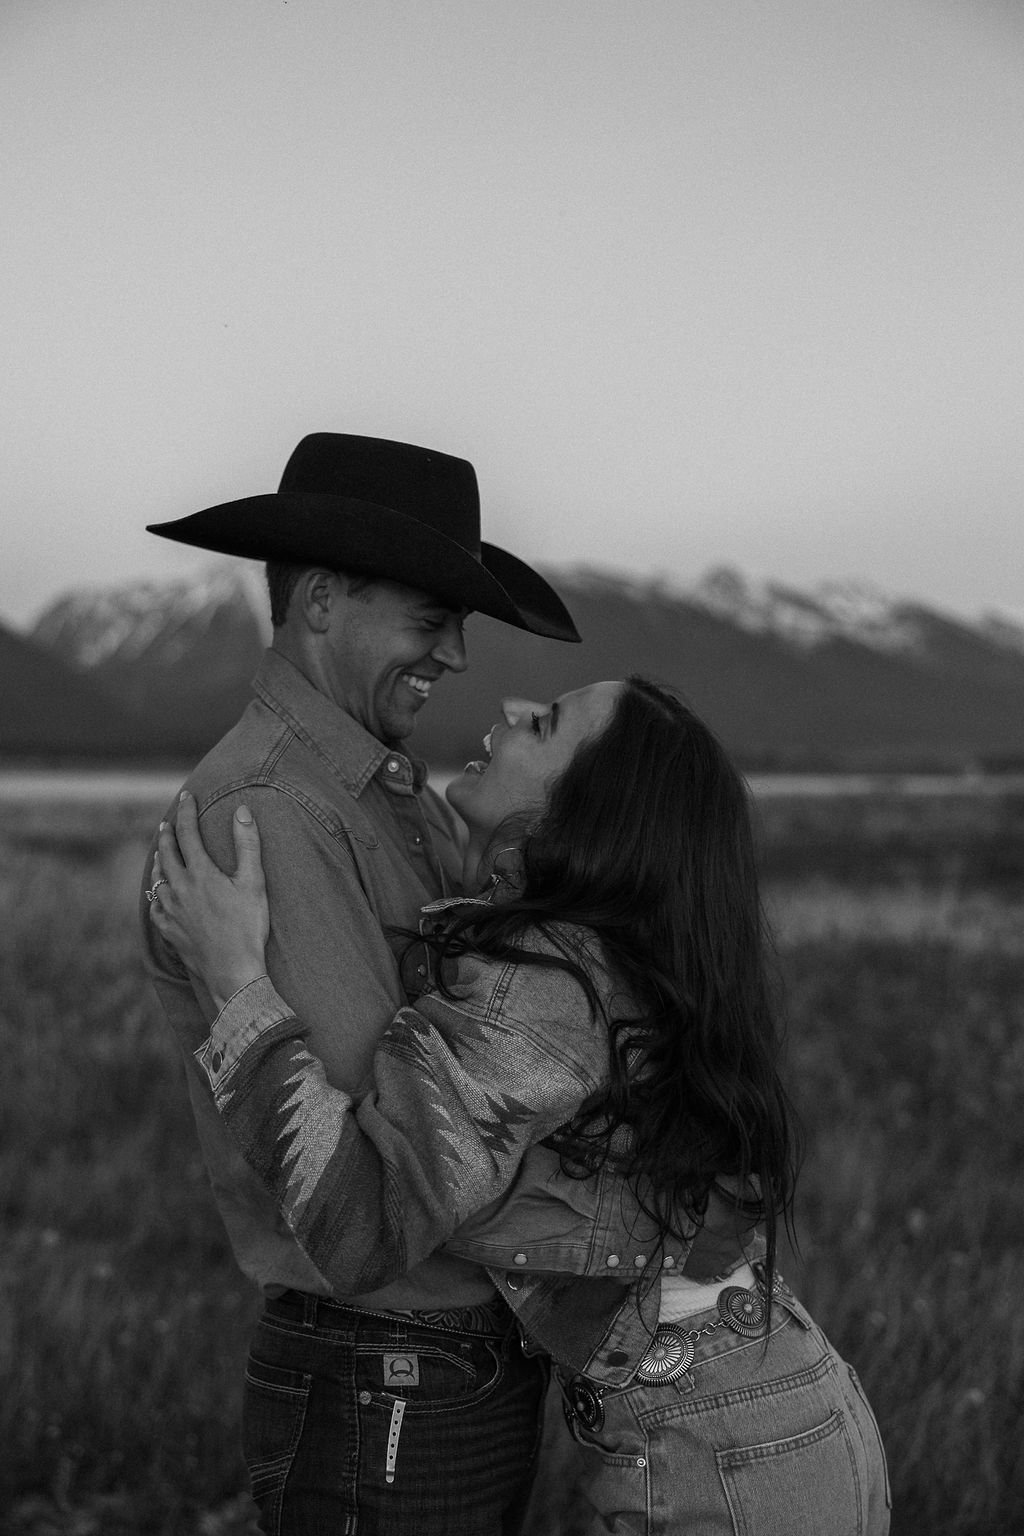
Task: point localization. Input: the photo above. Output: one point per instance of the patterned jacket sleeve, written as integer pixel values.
(463, 1085)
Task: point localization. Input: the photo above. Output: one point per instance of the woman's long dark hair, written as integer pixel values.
(647, 841)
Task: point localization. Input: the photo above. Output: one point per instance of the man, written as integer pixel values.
(374, 558)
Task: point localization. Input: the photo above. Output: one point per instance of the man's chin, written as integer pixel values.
(397, 729)
(398, 719)
(395, 743)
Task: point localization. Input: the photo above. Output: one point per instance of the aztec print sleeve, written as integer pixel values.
(463, 1087)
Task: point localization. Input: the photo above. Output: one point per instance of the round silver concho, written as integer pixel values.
(743, 1311)
(670, 1355)
(584, 1404)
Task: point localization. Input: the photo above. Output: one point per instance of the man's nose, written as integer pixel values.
(515, 709)
(450, 649)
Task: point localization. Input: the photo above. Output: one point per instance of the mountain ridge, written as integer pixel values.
(50, 713)
(836, 677)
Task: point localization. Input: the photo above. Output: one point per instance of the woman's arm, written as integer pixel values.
(463, 1085)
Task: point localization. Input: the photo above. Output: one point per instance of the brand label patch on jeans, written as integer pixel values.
(401, 1370)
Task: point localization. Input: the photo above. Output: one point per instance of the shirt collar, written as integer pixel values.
(346, 746)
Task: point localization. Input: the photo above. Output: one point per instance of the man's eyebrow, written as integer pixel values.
(426, 605)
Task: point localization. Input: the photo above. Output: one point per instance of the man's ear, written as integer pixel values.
(316, 594)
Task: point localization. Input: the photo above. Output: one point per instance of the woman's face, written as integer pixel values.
(528, 749)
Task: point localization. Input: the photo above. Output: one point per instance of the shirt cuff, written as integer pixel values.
(249, 1014)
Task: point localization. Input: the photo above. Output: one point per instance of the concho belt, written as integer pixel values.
(672, 1351)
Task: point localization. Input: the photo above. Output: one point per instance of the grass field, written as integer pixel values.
(123, 1321)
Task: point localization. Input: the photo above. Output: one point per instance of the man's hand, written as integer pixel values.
(218, 923)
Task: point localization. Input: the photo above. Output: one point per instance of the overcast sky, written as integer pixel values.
(690, 283)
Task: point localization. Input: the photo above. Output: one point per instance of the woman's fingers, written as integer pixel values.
(248, 865)
(171, 864)
(186, 826)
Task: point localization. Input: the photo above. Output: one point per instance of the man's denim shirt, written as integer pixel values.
(446, 1148)
(353, 846)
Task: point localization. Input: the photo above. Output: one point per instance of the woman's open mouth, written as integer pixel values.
(478, 766)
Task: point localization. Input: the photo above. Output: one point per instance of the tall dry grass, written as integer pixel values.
(123, 1321)
(123, 1317)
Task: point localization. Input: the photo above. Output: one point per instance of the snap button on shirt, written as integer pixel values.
(520, 1258)
(612, 1261)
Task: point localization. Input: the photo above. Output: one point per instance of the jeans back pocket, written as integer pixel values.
(805, 1485)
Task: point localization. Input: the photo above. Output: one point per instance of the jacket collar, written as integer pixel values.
(498, 889)
(346, 746)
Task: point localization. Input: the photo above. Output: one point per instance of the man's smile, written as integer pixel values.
(420, 685)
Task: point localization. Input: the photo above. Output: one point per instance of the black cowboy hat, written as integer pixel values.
(371, 507)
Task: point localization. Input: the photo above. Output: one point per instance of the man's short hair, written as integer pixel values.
(282, 579)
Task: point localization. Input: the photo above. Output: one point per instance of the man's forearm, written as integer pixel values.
(372, 1187)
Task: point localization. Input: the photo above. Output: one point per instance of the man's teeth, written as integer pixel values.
(420, 685)
(476, 766)
(487, 743)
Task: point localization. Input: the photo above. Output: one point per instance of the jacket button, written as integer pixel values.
(639, 1261)
(392, 765)
(612, 1261)
(668, 1261)
(520, 1258)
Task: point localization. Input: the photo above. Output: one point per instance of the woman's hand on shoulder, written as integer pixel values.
(217, 923)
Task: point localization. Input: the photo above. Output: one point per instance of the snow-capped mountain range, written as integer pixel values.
(850, 610)
(847, 610)
(842, 675)
(93, 625)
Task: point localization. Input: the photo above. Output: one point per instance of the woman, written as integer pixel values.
(588, 1102)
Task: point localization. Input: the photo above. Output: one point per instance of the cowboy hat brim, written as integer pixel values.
(366, 539)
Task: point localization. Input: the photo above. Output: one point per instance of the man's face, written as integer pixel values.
(387, 644)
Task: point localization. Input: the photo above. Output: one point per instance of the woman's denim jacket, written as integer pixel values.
(448, 1148)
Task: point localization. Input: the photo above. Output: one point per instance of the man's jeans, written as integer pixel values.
(360, 1424)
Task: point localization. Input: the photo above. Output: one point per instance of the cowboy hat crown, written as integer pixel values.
(372, 507)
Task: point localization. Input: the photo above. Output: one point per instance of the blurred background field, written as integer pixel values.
(123, 1321)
